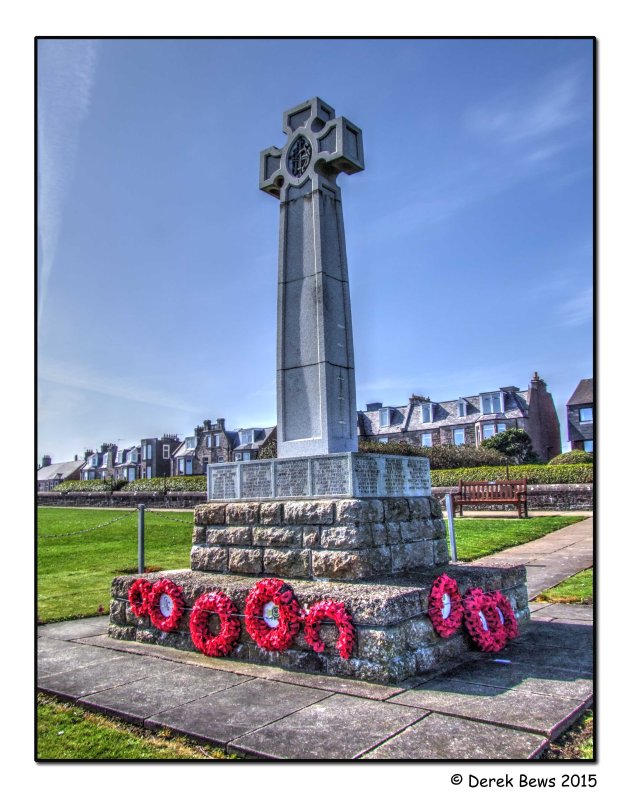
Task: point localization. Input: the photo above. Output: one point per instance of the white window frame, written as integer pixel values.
(588, 408)
(464, 436)
(133, 455)
(383, 439)
(386, 414)
(484, 429)
(423, 443)
(148, 451)
(426, 410)
(246, 436)
(192, 439)
(488, 396)
(217, 440)
(165, 451)
(500, 427)
(461, 408)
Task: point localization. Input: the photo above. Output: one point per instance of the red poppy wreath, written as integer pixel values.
(165, 605)
(483, 621)
(273, 615)
(221, 643)
(445, 606)
(506, 613)
(329, 609)
(138, 597)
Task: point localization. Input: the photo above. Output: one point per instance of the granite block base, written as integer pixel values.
(395, 639)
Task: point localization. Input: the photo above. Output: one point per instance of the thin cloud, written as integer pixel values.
(66, 76)
(577, 310)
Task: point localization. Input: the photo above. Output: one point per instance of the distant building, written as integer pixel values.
(49, 475)
(100, 465)
(127, 463)
(580, 416)
(469, 420)
(211, 443)
(156, 455)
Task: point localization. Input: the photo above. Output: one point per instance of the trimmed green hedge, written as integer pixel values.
(97, 485)
(178, 483)
(534, 473)
(573, 457)
(441, 456)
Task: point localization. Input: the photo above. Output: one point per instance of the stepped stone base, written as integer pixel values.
(345, 540)
(395, 639)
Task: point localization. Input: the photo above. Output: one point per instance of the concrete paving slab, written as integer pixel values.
(339, 727)
(357, 688)
(514, 708)
(528, 677)
(68, 656)
(572, 659)
(557, 635)
(151, 695)
(75, 683)
(228, 714)
(75, 628)
(566, 611)
(442, 737)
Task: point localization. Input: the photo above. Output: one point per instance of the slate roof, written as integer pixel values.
(66, 468)
(583, 393)
(408, 417)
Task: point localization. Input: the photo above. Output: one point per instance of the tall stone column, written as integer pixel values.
(316, 392)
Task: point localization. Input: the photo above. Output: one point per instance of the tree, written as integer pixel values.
(515, 444)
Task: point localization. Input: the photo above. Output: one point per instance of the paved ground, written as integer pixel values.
(551, 559)
(506, 705)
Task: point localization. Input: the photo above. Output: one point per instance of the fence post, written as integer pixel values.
(140, 538)
(452, 531)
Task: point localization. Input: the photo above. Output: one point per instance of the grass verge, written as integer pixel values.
(75, 571)
(575, 744)
(67, 732)
(478, 537)
(576, 589)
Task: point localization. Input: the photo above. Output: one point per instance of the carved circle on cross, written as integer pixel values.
(299, 156)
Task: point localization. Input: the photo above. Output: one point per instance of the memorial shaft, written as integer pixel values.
(316, 392)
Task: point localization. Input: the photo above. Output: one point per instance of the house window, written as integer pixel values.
(94, 461)
(501, 427)
(133, 456)
(385, 417)
(217, 439)
(458, 435)
(427, 440)
(488, 431)
(149, 451)
(208, 441)
(246, 437)
(491, 403)
(191, 442)
(149, 472)
(205, 461)
(586, 415)
(462, 408)
(383, 439)
(588, 445)
(237, 456)
(426, 412)
(165, 451)
(131, 473)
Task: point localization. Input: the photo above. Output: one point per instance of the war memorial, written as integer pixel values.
(324, 559)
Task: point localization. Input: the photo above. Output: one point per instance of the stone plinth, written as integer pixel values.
(394, 635)
(334, 475)
(317, 539)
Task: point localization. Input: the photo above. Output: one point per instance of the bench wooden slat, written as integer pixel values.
(492, 492)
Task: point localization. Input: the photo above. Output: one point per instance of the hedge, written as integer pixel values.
(444, 456)
(573, 457)
(178, 483)
(97, 485)
(534, 473)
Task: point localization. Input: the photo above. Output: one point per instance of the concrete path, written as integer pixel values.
(551, 559)
(506, 705)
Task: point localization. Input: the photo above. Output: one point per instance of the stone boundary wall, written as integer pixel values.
(541, 497)
(346, 540)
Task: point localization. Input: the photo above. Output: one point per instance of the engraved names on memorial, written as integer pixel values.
(337, 475)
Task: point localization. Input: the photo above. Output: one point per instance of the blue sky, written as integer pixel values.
(469, 235)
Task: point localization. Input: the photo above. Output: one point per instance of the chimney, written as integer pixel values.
(207, 424)
(374, 406)
(221, 422)
(75, 458)
(46, 461)
(87, 454)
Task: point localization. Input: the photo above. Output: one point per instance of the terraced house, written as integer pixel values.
(100, 465)
(580, 417)
(468, 420)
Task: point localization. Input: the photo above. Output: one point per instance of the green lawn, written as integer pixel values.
(481, 537)
(67, 732)
(576, 589)
(75, 572)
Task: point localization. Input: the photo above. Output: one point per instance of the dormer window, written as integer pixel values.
(94, 461)
(461, 408)
(191, 442)
(385, 417)
(246, 437)
(132, 456)
(426, 412)
(492, 403)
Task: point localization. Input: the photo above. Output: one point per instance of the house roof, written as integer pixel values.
(583, 393)
(445, 414)
(63, 470)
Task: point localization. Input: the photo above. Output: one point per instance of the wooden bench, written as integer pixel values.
(491, 493)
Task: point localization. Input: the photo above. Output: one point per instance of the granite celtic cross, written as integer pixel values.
(316, 391)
